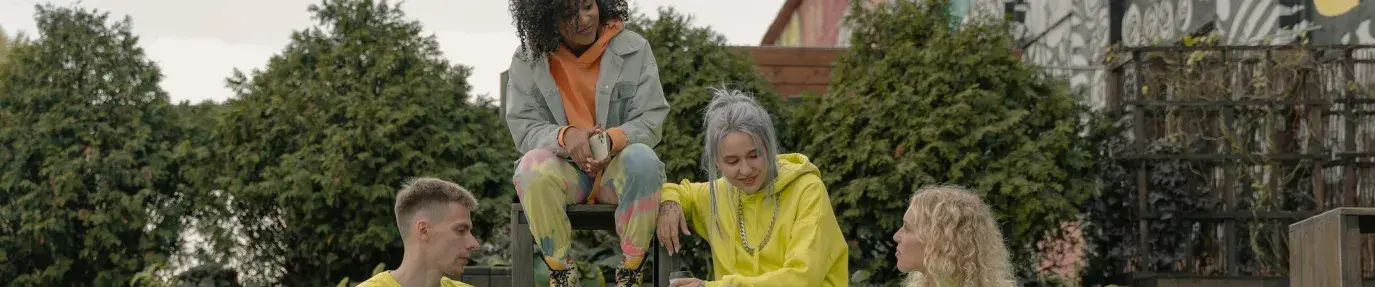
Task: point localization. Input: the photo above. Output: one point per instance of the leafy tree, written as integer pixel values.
(208, 214)
(9, 43)
(88, 192)
(914, 102)
(691, 60)
(4, 45)
(313, 148)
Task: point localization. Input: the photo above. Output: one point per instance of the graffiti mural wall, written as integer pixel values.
(1069, 37)
(1238, 22)
(1342, 21)
(1244, 22)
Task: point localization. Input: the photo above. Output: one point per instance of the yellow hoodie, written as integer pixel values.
(385, 279)
(806, 247)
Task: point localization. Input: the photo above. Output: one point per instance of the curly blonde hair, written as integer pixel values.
(962, 243)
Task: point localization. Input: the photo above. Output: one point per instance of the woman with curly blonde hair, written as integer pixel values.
(949, 238)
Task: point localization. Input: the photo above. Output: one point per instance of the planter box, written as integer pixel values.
(1325, 250)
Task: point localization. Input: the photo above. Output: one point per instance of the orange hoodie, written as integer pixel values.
(576, 78)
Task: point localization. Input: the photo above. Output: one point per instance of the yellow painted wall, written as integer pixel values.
(792, 34)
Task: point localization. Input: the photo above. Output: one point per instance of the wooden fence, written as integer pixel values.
(794, 70)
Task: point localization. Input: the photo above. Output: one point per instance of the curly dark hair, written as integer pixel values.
(537, 21)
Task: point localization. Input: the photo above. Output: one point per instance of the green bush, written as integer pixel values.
(4, 46)
(692, 59)
(913, 102)
(313, 148)
(88, 185)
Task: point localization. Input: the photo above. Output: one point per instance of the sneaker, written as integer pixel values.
(564, 278)
(628, 278)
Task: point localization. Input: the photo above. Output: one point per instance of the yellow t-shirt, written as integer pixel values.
(384, 279)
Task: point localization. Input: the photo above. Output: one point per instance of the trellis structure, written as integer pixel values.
(1269, 135)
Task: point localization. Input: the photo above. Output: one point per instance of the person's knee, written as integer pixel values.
(532, 163)
(642, 163)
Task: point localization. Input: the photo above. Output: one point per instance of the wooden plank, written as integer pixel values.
(1298, 249)
(1328, 157)
(1216, 103)
(1214, 281)
(1236, 215)
(1318, 126)
(1326, 249)
(1238, 48)
(1114, 90)
(1229, 228)
(587, 216)
(796, 75)
(522, 249)
(1315, 219)
(792, 56)
(664, 264)
(1139, 143)
(1350, 251)
(797, 90)
(1349, 193)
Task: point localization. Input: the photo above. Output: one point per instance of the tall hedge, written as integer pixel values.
(313, 148)
(915, 102)
(88, 185)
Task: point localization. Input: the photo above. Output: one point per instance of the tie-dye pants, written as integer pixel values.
(546, 183)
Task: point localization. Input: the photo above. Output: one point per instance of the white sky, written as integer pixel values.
(198, 43)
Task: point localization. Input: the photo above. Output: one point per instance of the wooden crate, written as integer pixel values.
(1324, 250)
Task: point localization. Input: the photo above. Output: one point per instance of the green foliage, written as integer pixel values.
(209, 274)
(692, 59)
(88, 192)
(314, 147)
(915, 103)
(9, 43)
(1111, 229)
(4, 46)
(1181, 187)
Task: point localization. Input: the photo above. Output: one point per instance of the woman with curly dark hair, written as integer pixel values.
(578, 71)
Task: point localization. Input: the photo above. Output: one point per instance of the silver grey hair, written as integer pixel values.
(730, 111)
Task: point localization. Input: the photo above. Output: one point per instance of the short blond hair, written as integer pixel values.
(963, 245)
(429, 195)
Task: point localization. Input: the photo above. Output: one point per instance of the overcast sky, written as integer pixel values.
(198, 43)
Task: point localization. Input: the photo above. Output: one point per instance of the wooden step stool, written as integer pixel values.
(581, 217)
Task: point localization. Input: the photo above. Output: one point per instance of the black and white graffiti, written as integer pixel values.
(1341, 22)
(1068, 38)
(1238, 22)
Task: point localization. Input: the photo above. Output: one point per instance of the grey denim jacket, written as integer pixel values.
(629, 96)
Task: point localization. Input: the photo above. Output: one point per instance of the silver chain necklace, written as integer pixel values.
(740, 215)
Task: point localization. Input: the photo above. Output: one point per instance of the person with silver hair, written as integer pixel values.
(766, 216)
